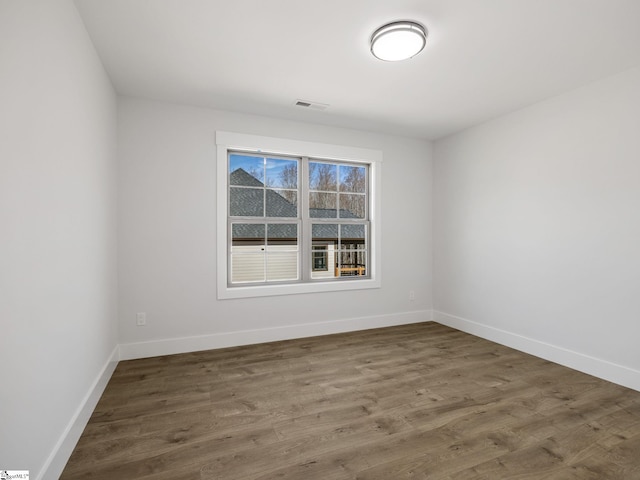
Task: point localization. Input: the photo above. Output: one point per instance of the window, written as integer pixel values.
(320, 256)
(272, 233)
(295, 217)
(263, 219)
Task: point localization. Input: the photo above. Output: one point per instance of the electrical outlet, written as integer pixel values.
(412, 295)
(141, 319)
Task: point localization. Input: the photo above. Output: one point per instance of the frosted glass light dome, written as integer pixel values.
(398, 41)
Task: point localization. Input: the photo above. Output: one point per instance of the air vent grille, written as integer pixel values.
(311, 105)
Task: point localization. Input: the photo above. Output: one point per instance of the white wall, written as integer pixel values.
(167, 215)
(57, 230)
(537, 229)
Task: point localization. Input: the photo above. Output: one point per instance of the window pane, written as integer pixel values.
(353, 179)
(282, 266)
(324, 242)
(322, 205)
(323, 261)
(246, 170)
(352, 205)
(352, 263)
(324, 232)
(282, 235)
(282, 203)
(247, 234)
(247, 267)
(247, 252)
(352, 256)
(352, 234)
(323, 176)
(282, 251)
(282, 173)
(246, 202)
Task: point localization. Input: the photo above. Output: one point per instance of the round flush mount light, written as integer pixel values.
(398, 41)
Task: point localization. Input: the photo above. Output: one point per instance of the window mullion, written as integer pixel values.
(306, 234)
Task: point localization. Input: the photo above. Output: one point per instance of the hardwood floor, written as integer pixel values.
(420, 401)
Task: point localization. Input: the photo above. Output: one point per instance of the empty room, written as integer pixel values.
(342, 239)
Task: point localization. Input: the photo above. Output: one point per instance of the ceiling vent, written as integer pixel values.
(311, 105)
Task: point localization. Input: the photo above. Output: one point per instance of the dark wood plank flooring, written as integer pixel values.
(420, 401)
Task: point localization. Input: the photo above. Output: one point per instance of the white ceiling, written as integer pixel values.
(483, 58)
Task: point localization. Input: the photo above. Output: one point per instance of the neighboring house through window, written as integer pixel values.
(320, 258)
(295, 217)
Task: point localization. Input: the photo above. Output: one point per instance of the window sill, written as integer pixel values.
(225, 292)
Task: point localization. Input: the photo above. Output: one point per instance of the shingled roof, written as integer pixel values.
(248, 200)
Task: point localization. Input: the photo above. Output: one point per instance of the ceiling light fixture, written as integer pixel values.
(398, 41)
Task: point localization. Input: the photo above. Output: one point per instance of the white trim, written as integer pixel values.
(295, 288)
(226, 141)
(287, 147)
(59, 457)
(172, 346)
(597, 367)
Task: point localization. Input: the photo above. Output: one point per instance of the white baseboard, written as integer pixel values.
(59, 457)
(129, 351)
(597, 367)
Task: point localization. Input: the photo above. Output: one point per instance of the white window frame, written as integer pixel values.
(230, 141)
